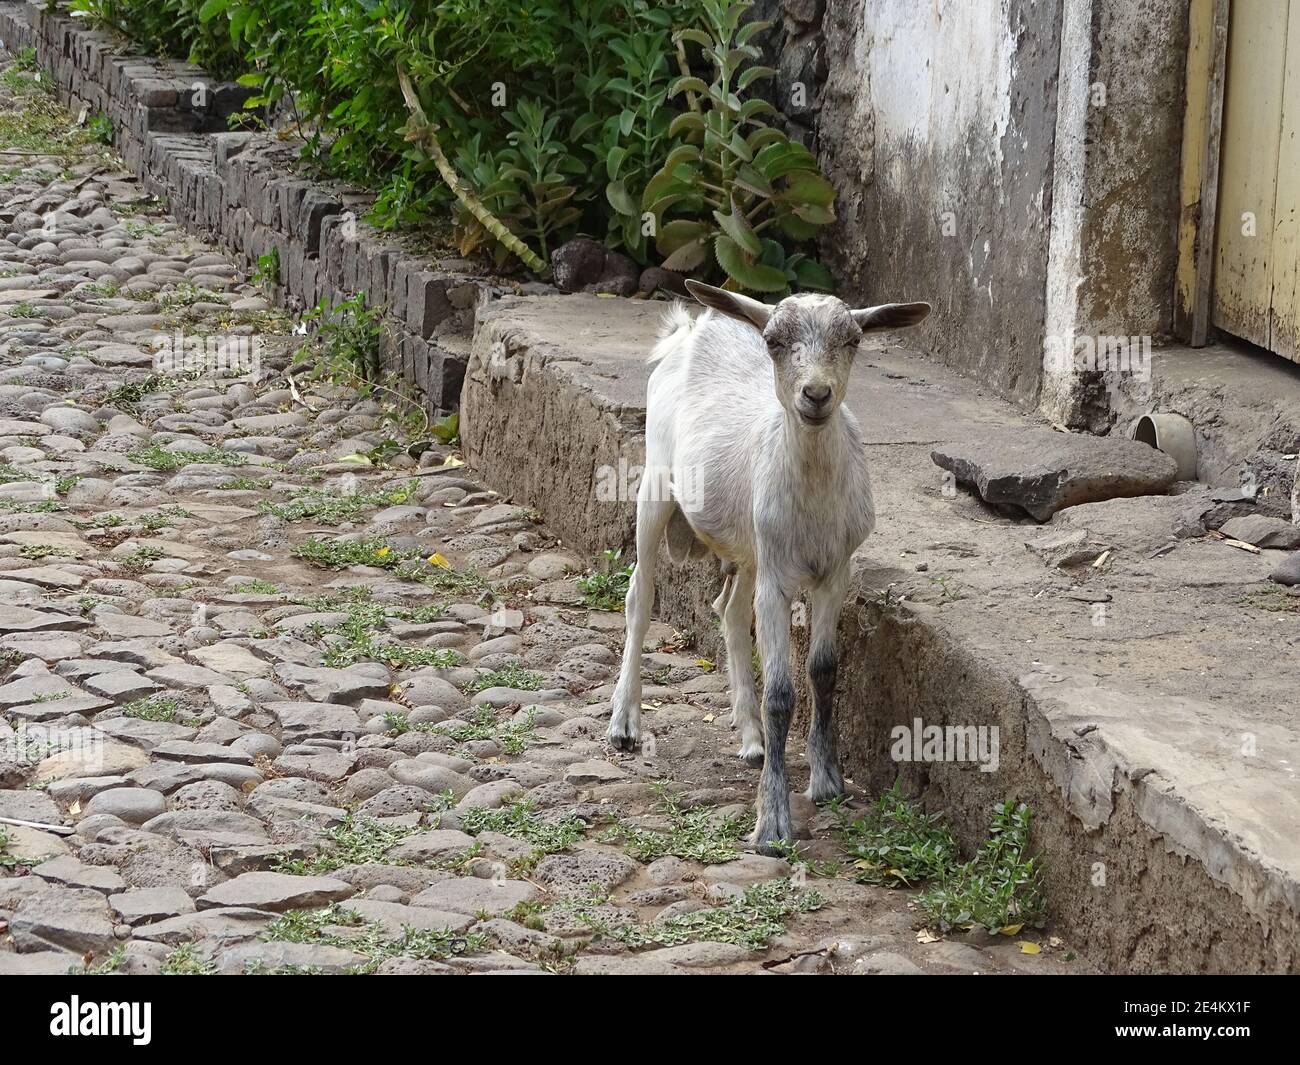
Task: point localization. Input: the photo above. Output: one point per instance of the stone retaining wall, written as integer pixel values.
(171, 125)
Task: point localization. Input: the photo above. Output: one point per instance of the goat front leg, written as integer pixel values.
(827, 599)
(772, 606)
(736, 608)
(652, 517)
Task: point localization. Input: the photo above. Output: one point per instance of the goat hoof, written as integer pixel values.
(621, 741)
(753, 759)
(825, 786)
(769, 840)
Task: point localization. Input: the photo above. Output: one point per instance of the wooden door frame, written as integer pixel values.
(1207, 54)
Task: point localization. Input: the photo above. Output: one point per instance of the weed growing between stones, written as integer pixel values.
(1000, 888)
(257, 587)
(150, 522)
(41, 551)
(44, 506)
(157, 458)
(153, 708)
(696, 835)
(336, 926)
(356, 841)
(361, 639)
(330, 508)
(242, 484)
(511, 675)
(185, 960)
(895, 843)
(7, 860)
(749, 920)
(108, 967)
(520, 820)
(511, 736)
(605, 587)
(405, 565)
(139, 558)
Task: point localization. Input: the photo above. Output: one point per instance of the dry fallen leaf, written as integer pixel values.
(1055, 941)
(1011, 929)
(1027, 947)
(926, 936)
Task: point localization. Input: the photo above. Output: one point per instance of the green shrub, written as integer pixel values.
(632, 120)
(175, 29)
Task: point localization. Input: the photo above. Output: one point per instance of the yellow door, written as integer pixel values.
(1257, 235)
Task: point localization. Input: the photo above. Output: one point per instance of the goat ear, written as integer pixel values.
(732, 304)
(890, 316)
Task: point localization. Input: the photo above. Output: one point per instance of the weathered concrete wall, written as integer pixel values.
(1114, 227)
(936, 125)
(1015, 162)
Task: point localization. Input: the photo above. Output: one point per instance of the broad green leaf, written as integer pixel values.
(620, 199)
(697, 36)
(749, 29)
(614, 162)
(811, 274)
(687, 84)
(817, 215)
(750, 275)
(735, 226)
(806, 187)
(752, 74)
(688, 256)
(686, 122)
(678, 232)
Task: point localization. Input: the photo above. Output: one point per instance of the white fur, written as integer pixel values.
(784, 499)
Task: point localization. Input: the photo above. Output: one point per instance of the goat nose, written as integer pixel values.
(818, 394)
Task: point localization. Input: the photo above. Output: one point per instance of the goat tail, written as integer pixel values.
(675, 327)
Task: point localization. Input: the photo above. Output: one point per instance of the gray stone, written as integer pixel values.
(1287, 571)
(63, 919)
(1040, 472)
(1263, 530)
(67, 871)
(276, 892)
(470, 895)
(143, 905)
(490, 795)
(135, 806)
(578, 871)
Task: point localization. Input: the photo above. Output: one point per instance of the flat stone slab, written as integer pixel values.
(1039, 471)
(277, 892)
(1263, 530)
(63, 919)
(470, 895)
(395, 916)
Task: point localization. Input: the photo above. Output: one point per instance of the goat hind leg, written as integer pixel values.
(737, 619)
(772, 608)
(625, 719)
(826, 782)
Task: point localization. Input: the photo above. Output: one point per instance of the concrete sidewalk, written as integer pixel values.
(1145, 707)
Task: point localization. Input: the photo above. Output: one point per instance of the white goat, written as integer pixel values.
(768, 471)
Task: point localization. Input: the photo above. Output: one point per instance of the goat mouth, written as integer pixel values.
(815, 419)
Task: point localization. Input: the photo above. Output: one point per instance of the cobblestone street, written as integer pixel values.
(278, 695)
